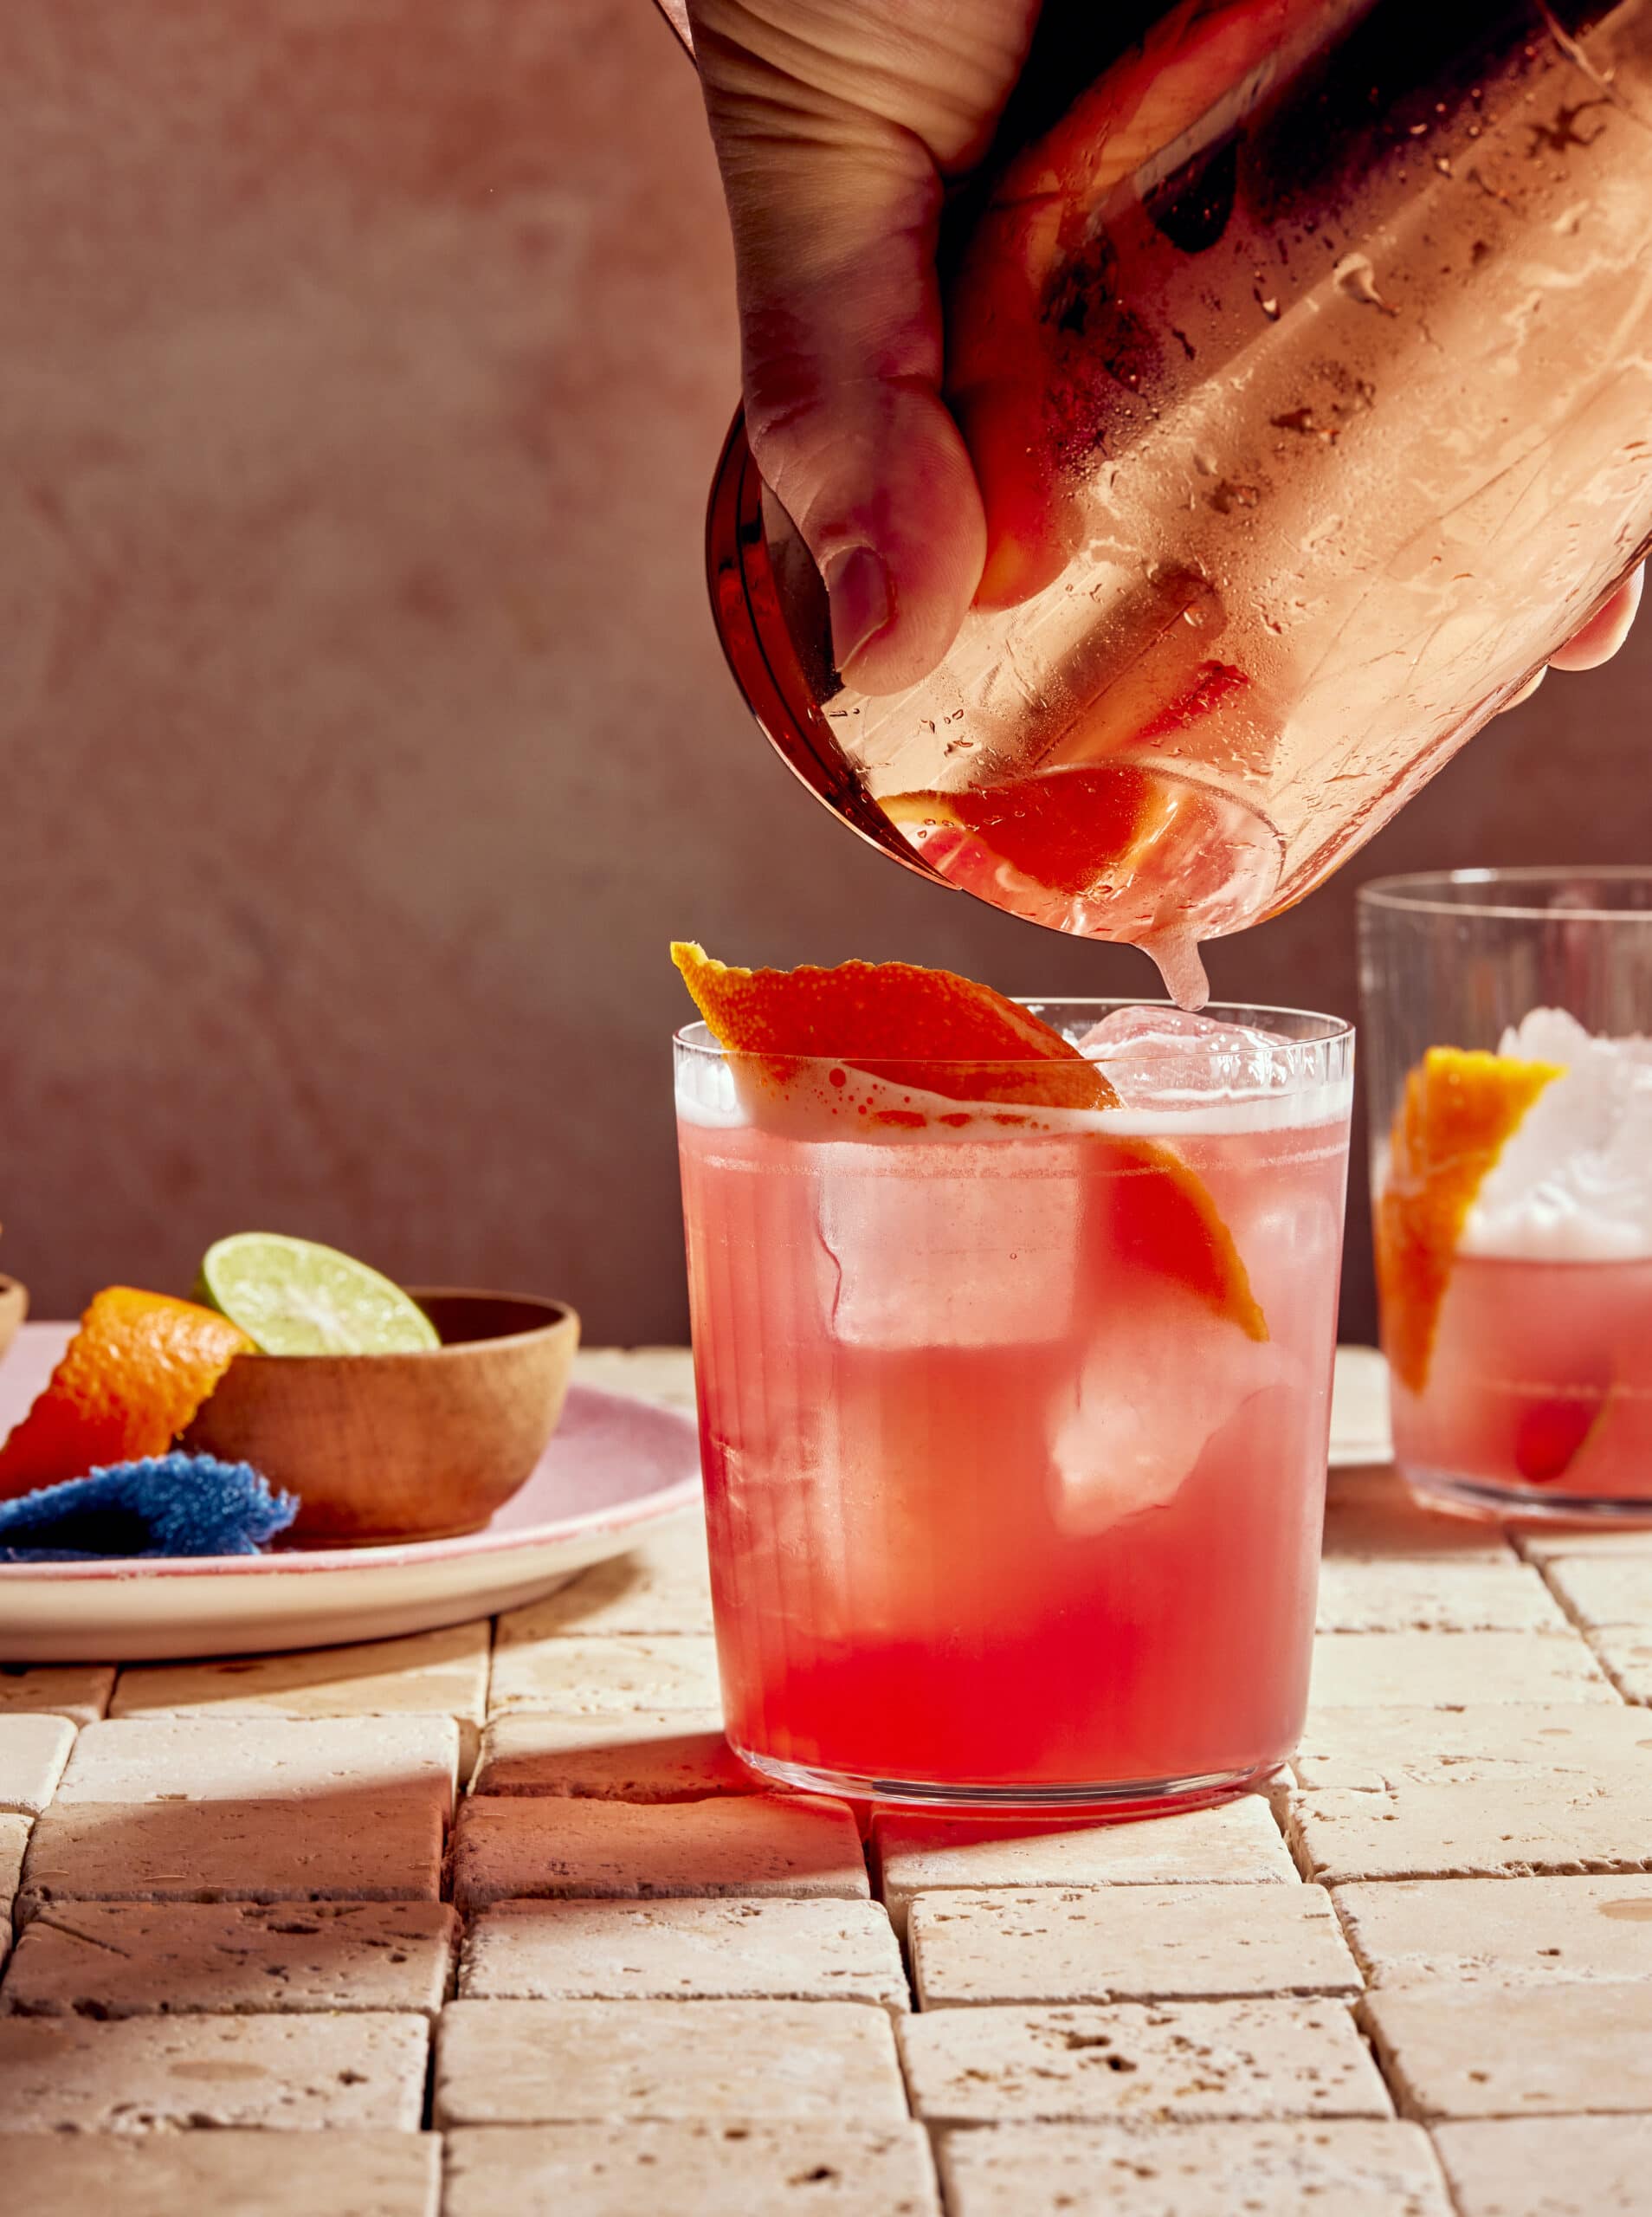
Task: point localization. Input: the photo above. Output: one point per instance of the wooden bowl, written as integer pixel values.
(403, 1446)
(14, 1306)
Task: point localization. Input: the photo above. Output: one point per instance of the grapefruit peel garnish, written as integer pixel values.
(1459, 1110)
(937, 1033)
(135, 1372)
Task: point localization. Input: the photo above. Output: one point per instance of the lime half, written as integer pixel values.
(291, 1296)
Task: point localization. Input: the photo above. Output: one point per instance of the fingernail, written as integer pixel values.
(858, 586)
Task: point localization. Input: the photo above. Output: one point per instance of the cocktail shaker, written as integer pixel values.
(1304, 353)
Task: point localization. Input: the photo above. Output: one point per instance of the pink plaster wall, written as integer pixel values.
(364, 738)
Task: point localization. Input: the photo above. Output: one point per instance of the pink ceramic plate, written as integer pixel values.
(616, 1469)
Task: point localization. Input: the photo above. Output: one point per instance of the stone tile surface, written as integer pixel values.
(1545, 1543)
(752, 1844)
(1603, 1590)
(571, 1674)
(1118, 1944)
(361, 1847)
(1239, 1842)
(1423, 1593)
(428, 1673)
(592, 2062)
(1156, 2063)
(120, 1959)
(1503, 1827)
(167, 2073)
(1333, 2167)
(229, 2173)
(1500, 1931)
(705, 2170)
(1531, 2051)
(14, 1839)
(33, 1751)
(1627, 1656)
(323, 1760)
(1548, 2167)
(1375, 1749)
(662, 1586)
(645, 1755)
(1370, 1513)
(1450, 1670)
(758, 1950)
(80, 1691)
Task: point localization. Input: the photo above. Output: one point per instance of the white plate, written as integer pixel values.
(616, 1469)
(1360, 1431)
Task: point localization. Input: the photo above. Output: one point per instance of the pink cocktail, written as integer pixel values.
(1003, 1508)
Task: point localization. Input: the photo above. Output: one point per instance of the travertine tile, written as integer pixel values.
(320, 1759)
(1500, 1931)
(78, 1691)
(691, 2170)
(606, 1676)
(33, 1751)
(1486, 2050)
(1544, 1542)
(164, 2073)
(1420, 1593)
(1605, 1591)
(230, 2175)
(1374, 1749)
(1626, 1654)
(1553, 1826)
(1334, 2167)
(754, 1949)
(1450, 1670)
(1548, 2167)
(14, 1838)
(431, 1673)
(662, 1375)
(1158, 2063)
(353, 1848)
(590, 2062)
(649, 1755)
(128, 1959)
(663, 1586)
(1237, 1842)
(1372, 1513)
(1118, 1943)
(752, 1844)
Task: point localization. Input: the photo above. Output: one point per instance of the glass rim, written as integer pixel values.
(1426, 893)
(1336, 1031)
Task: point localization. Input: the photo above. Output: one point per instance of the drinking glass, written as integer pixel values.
(1007, 1506)
(1519, 1325)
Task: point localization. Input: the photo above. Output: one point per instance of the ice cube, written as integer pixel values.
(948, 1247)
(1574, 1182)
(1161, 1381)
(1165, 1055)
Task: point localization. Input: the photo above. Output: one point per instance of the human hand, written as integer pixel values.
(838, 124)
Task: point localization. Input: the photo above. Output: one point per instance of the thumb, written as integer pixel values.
(832, 120)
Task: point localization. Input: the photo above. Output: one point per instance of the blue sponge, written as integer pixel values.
(168, 1505)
